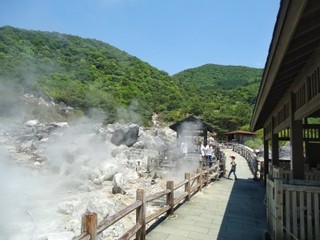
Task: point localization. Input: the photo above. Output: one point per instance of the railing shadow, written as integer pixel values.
(245, 214)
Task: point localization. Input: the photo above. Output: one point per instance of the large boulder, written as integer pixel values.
(118, 182)
(125, 136)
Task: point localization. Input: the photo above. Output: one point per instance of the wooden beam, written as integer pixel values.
(309, 108)
(294, 55)
(296, 140)
(306, 39)
(274, 146)
(266, 157)
(310, 22)
(289, 16)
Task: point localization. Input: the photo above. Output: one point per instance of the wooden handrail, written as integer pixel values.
(157, 214)
(180, 198)
(157, 195)
(131, 232)
(195, 176)
(90, 229)
(84, 236)
(179, 185)
(107, 222)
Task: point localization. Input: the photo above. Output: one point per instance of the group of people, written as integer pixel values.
(207, 153)
(208, 156)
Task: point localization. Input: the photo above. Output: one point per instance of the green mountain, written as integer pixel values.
(213, 77)
(223, 96)
(83, 73)
(86, 74)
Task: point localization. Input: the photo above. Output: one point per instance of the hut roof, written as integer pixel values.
(241, 132)
(191, 123)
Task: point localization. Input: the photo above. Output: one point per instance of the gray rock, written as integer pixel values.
(125, 136)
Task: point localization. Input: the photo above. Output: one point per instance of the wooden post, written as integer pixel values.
(275, 147)
(296, 140)
(89, 224)
(207, 176)
(205, 136)
(188, 185)
(199, 179)
(170, 197)
(141, 215)
(265, 156)
(278, 208)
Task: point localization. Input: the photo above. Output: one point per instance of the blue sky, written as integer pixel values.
(171, 35)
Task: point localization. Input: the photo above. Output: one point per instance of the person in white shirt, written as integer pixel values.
(209, 155)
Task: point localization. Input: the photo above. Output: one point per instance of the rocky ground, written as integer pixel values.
(53, 172)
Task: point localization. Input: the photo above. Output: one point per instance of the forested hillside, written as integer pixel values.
(223, 95)
(86, 74)
(214, 77)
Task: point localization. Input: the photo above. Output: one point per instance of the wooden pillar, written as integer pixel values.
(199, 179)
(188, 186)
(205, 136)
(207, 176)
(296, 140)
(141, 215)
(178, 132)
(312, 151)
(266, 157)
(274, 146)
(278, 208)
(170, 197)
(89, 224)
(313, 154)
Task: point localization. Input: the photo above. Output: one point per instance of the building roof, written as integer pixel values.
(191, 123)
(241, 132)
(296, 38)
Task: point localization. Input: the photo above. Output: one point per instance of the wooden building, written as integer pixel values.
(239, 136)
(288, 109)
(192, 126)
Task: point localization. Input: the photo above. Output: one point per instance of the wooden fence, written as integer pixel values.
(191, 185)
(293, 209)
(244, 151)
(286, 174)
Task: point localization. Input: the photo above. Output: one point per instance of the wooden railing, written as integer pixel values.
(293, 209)
(286, 174)
(226, 145)
(192, 184)
(244, 151)
(248, 154)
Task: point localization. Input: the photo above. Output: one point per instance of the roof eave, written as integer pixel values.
(287, 19)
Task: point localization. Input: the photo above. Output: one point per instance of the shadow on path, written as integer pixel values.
(244, 216)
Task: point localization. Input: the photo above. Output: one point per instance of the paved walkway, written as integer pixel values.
(226, 209)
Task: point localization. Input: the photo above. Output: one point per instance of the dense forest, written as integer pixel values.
(86, 74)
(223, 96)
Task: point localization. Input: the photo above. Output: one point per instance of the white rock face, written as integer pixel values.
(32, 123)
(71, 170)
(58, 236)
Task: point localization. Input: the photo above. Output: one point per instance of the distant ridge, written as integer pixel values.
(215, 76)
(86, 73)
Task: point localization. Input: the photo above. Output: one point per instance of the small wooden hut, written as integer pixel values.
(192, 126)
(239, 136)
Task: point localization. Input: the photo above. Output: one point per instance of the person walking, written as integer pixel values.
(233, 167)
(209, 155)
(204, 153)
(254, 165)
